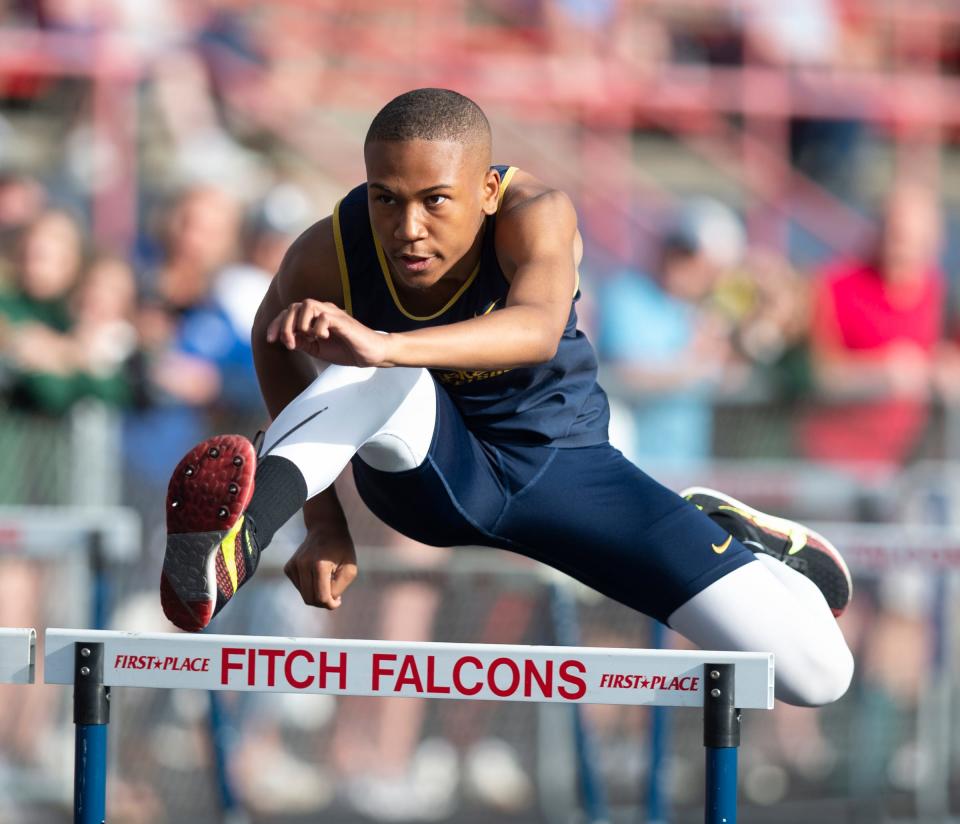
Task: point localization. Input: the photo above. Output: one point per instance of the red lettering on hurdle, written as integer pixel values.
(326, 668)
(226, 664)
(461, 662)
(531, 674)
(288, 669)
(409, 674)
(271, 655)
(578, 684)
(432, 686)
(379, 658)
(514, 677)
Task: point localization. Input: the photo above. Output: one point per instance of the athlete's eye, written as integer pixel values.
(436, 200)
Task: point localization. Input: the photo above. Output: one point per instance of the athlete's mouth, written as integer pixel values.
(414, 263)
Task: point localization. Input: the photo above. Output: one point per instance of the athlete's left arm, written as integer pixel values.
(538, 247)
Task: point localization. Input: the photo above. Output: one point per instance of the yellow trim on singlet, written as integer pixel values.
(466, 285)
(507, 177)
(342, 260)
(396, 298)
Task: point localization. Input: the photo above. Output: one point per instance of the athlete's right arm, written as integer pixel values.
(324, 565)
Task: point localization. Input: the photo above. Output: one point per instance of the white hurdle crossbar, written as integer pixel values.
(424, 669)
(17, 655)
(721, 683)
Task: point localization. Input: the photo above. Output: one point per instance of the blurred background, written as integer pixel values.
(768, 193)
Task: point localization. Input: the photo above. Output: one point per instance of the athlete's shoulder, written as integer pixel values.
(524, 190)
(535, 220)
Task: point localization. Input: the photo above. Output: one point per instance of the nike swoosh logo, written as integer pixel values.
(723, 547)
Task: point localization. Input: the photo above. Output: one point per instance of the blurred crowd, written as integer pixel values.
(164, 340)
(159, 329)
(710, 320)
(861, 346)
(709, 338)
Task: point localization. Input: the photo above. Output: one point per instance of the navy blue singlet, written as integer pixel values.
(495, 474)
(557, 403)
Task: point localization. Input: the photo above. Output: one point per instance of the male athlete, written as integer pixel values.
(426, 332)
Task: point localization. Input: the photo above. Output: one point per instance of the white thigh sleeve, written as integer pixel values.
(768, 607)
(387, 415)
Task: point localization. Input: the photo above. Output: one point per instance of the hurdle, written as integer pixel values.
(17, 655)
(721, 683)
(102, 535)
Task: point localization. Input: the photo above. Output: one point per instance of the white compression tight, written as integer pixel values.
(388, 417)
(385, 415)
(768, 607)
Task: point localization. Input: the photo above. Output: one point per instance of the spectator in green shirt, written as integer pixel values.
(54, 340)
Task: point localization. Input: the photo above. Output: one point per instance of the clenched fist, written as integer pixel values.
(326, 332)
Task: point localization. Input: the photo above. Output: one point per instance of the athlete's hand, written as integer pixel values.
(326, 332)
(323, 566)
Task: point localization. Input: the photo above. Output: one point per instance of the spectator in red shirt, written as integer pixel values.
(876, 328)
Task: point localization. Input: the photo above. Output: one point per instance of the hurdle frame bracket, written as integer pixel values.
(91, 716)
(721, 738)
(721, 719)
(91, 698)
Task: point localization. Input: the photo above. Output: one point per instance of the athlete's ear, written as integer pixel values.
(491, 191)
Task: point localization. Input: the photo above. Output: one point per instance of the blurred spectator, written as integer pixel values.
(876, 342)
(816, 34)
(766, 302)
(200, 235)
(67, 336)
(104, 332)
(216, 331)
(668, 352)
(21, 199)
(35, 316)
(219, 330)
(877, 326)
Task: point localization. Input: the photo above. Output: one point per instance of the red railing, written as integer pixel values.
(357, 55)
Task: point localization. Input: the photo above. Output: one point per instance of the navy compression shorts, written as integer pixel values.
(586, 511)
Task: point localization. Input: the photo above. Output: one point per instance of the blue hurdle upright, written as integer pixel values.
(94, 661)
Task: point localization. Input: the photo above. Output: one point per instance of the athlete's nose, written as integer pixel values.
(410, 226)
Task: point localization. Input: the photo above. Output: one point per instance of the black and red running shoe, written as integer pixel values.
(797, 546)
(211, 552)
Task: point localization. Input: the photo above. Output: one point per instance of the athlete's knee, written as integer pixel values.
(403, 381)
(403, 439)
(814, 674)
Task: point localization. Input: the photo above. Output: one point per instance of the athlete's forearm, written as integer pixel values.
(324, 512)
(513, 337)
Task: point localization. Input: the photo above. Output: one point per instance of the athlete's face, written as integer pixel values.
(428, 200)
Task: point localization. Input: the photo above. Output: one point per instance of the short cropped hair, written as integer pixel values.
(430, 114)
